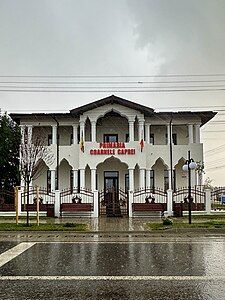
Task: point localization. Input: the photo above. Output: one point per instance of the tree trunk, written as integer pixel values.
(28, 196)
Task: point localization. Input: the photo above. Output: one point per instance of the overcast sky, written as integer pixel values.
(120, 38)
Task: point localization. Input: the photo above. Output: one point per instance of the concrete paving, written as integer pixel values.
(191, 269)
(118, 259)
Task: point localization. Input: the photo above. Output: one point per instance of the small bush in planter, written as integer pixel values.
(167, 221)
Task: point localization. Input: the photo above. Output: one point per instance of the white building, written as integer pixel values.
(117, 145)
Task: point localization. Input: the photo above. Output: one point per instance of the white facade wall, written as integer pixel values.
(72, 158)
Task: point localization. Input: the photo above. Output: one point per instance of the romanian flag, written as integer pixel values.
(142, 144)
(82, 142)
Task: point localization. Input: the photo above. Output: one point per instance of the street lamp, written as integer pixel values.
(189, 165)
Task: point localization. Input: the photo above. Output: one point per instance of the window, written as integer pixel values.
(152, 179)
(71, 181)
(126, 183)
(110, 138)
(71, 139)
(48, 181)
(152, 139)
(166, 180)
(174, 180)
(127, 138)
(174, 138)
(49, 139)
(78, 182)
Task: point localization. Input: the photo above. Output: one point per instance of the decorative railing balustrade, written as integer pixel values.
(218, 198)
(46, 199)
(150, 196)
(76, 200)
(197, 196)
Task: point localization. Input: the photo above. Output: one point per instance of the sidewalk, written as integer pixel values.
(114, 224)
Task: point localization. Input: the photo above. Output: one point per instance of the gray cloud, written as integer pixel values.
(188, 35)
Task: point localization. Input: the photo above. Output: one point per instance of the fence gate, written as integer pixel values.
(113, 203)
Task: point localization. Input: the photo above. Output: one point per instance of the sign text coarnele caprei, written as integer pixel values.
(112, 148)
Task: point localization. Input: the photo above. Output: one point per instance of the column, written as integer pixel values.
(75, 134)
(57, 204)
(169, 134)
(75, 179)
(142, 179)
(54, 134)
(131, 179)
(52, 180)
(140, 130)
(170, 180)
(190, 133)
(93, 131)
(93, 179)
(197, 133)
(96, 210)
(147, 133)
(148, 178)
(82, 130)
(208, 201)
(82, 178)
(131, 131)
(170, 202)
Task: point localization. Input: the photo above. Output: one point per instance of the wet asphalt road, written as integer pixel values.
(177, 270)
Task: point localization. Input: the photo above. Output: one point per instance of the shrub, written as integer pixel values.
(70, 225)
(167, 221)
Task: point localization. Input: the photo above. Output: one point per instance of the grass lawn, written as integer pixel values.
(43, 227)
(207, 222)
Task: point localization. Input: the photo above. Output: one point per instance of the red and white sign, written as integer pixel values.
(112, 148)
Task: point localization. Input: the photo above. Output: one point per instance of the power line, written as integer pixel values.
(113, 91)
(128, 87)
(113, 76)
(112, 82)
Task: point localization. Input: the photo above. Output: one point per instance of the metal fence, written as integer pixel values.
(113, 202)
(7, 199)
(46, 199)
(150, 195)
(197, 196)
(217, 199)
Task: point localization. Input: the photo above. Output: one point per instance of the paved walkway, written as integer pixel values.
(104, 224)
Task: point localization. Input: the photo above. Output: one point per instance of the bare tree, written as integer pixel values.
(33, 151)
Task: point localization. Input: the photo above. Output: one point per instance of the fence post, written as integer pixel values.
(19, 202)
(208, 201)
(95, 215)
(131, 200)
(57, 204)
(170, 202)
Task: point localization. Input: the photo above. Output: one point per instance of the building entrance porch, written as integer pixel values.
(113, 195)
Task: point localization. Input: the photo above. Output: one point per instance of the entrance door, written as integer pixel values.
(111, 196)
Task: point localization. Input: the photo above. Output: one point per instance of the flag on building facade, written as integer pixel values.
(142, 144)
(82, 142)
